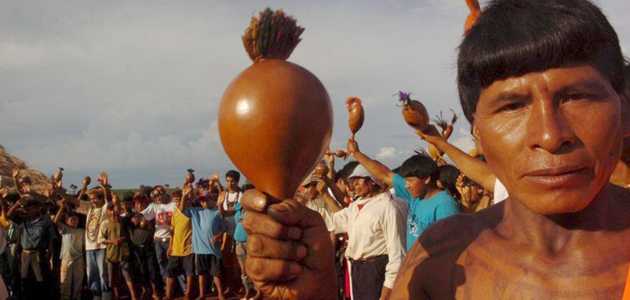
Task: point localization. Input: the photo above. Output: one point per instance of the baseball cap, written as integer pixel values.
(360, 171)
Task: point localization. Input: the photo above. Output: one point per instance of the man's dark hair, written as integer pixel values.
(234, 174)
(97, 191)
(346, 170)
(516, 37)
(419, 165)
(448, 177)
(203, 182)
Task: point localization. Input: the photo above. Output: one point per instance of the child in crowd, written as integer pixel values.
(160, 210)
(143, 261)
(207, 228)
(180, 254)
(115, 236)
(36, 234)
(143, 255)
(72, 252)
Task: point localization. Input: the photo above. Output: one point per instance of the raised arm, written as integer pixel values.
(184, 201)
(338, 195)
(473, 168)
(103, 180)
(14, 174)
(60, 212)
(4, 192)
(378, 170)
(14, 207)
(4, 223)
(216, 182)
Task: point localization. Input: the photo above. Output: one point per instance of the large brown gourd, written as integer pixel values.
(414, 113)
(275, 117)
(355, 114)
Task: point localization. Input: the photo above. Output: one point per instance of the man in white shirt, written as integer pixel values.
(315, 195)
(161, 210)
(95, 211)
(376, 237)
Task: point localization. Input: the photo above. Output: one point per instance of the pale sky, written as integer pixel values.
(133, 87)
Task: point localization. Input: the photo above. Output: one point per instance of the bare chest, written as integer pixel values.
(490, 272)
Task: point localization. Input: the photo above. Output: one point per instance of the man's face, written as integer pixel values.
(552, 137)
(342, 185)
(320, 169)
(361, 186)
(72, 221)
(138, 206)
(159, 195)
(310, 191)
(206, 202)
(96, 200)
(231, 183)
(416, 186)
(25, 185)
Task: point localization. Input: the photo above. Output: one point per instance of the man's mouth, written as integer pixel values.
(560, 176)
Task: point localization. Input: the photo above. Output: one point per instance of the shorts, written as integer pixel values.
(207, 264)
(116, 269)
(32, 260)
(177, 264)
(144, 265)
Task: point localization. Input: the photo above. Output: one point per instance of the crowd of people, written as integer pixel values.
(190, 241)
(162, 242)
(155, 243)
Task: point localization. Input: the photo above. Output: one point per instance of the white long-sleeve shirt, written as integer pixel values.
(319, 206)
(376, 229)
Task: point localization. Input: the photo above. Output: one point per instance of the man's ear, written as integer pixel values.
(475, 134)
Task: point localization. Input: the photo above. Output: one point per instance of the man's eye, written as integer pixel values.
(577, 96)
(512, 106)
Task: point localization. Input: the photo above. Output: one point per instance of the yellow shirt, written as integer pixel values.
(181, 243)
(4, 223)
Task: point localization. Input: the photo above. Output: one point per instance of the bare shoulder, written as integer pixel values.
(428, 269)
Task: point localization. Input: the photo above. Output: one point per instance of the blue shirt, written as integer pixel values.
(206, 223)
(239, 232)
(423, 212)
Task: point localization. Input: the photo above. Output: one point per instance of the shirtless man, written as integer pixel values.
(541, 82)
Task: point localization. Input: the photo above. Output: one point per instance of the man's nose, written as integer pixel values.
(548, 127)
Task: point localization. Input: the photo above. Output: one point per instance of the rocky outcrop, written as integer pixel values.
(9, 162)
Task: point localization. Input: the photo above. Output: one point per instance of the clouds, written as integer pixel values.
(133, 86)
